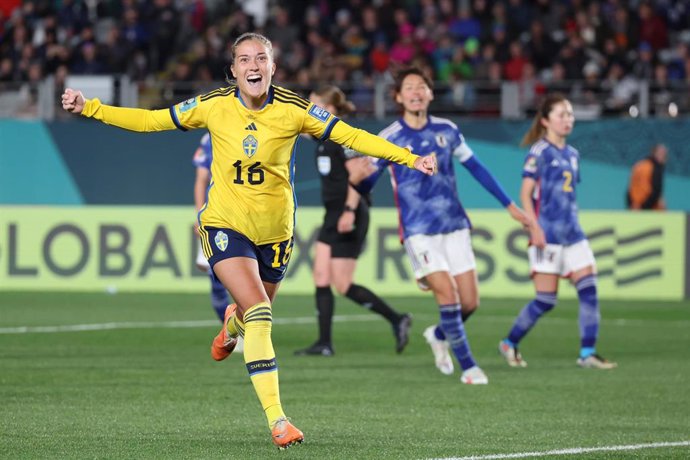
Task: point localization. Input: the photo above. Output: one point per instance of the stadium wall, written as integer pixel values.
(85, 162)
(640, 255)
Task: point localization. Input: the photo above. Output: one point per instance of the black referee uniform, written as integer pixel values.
(330, 162)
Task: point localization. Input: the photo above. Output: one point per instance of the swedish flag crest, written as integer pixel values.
(249, 145)
(221, 240)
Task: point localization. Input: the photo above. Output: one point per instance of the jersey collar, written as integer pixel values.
(269, 99)
(406, 126)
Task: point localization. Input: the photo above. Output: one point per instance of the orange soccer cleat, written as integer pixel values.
(285, 434)
(223, 344)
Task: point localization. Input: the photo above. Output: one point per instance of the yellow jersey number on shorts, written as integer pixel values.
(286, 255)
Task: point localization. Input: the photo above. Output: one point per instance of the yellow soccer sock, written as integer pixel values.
(260, 359)
(235, 326)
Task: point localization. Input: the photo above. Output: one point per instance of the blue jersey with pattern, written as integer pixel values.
(556, 172)
(428, 205)
(203, 156)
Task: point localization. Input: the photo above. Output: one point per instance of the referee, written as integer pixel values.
(342, 235)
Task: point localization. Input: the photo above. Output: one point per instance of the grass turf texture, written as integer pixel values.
(156, 393)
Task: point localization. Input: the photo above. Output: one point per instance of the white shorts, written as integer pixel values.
(450, 252)
(558, 259)
(201, 262)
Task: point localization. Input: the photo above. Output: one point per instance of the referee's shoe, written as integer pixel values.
(401, 331)
(317, 349)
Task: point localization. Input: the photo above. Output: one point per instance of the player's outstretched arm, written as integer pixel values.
(139, 120)
(369, 144)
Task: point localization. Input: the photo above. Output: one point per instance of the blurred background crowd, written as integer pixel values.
(597, 51)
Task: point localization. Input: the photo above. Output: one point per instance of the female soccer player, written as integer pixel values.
(246, 226)
(434, 226)
(558, 246)
(342, 235)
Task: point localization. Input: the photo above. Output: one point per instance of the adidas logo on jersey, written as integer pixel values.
(250, 127)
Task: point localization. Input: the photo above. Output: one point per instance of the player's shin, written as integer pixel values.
(530, 314)
(260, 359)
(453, 329)
(589, 313)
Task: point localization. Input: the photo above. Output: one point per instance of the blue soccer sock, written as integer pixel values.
(542, 303)
(438, 332)
(220, 298)
(589, 314)
(454, 331)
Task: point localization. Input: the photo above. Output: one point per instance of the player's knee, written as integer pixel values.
(470, 305)
(446, 296)
(342, 286)
(321, 278)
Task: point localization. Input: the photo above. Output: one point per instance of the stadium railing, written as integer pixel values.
(508, 100)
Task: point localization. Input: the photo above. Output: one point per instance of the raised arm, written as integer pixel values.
(369, 144)
(139, 120)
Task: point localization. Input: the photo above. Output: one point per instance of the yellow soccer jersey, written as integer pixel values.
(253, 152)
(253, 158)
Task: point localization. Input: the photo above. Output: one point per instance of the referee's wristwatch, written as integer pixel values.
(349, 208)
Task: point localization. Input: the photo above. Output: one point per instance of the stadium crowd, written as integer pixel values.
(607, 45)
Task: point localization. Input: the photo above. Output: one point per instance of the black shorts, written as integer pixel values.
(223, 243)
(345, 245)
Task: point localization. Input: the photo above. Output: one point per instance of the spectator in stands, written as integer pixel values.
(155, 34)
(643, 67)
(647, 181)
(513, 68)
(540, 47)
(652, 27)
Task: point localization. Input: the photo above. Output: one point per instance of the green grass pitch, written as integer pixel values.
(150, 390)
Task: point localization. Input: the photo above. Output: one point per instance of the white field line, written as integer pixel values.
(296, 320)
(574, 451)
(165, 324)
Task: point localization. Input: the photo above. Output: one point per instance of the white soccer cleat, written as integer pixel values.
(474, 376)
(439, 348)
(594, 361)
(511, 354)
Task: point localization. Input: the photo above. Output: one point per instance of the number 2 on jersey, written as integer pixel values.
(567, 181)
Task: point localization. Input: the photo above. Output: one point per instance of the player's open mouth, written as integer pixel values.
(254, 80)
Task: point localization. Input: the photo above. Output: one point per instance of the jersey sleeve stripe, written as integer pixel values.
(329, 128)
(173, 115)
(286, 93)
(213, 94)
(298, 103)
